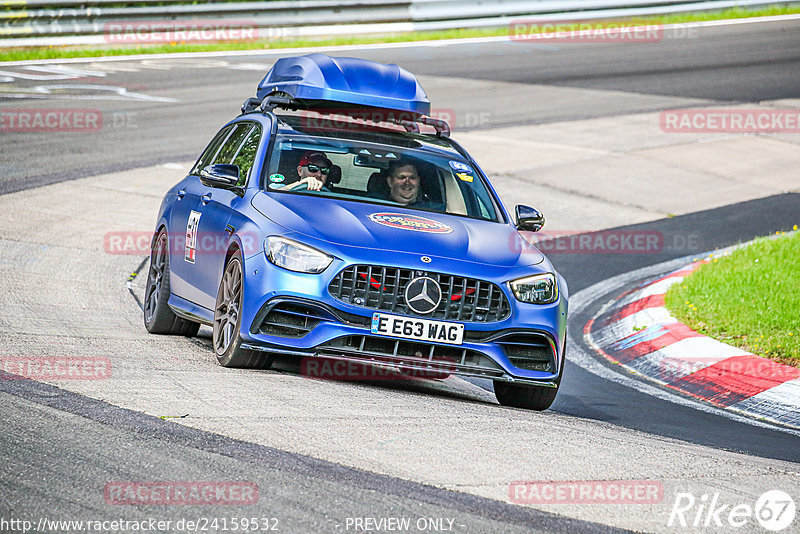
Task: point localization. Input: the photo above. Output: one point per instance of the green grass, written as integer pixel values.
(750, 298)
(54, 52)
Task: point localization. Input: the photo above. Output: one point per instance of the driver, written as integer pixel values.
(313, 170)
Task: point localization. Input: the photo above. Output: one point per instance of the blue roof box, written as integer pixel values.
(318, 79)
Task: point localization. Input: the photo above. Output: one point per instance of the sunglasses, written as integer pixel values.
(317, 168)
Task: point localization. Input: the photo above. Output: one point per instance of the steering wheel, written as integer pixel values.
(304, 186)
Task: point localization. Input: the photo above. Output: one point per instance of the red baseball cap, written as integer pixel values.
(309, 157)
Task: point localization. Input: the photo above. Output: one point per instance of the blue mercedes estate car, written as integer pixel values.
(334, 219)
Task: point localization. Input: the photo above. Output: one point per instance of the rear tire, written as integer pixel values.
(228, 319)
(158, 316)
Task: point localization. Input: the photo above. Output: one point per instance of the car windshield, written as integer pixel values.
(414, 171)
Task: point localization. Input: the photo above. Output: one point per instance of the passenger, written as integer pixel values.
(313, 170)
(404, 180)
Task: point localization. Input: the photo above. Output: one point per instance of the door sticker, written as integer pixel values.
(191, 236)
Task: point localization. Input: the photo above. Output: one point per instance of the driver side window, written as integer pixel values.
(232, 144)
(246, 155)
(236, 144)
(212, 149)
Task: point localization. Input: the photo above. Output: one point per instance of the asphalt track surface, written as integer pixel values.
(728, 65)
(73, 442)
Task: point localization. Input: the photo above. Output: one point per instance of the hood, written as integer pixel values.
(384, 227)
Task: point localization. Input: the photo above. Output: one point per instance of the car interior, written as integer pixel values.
(361, 176)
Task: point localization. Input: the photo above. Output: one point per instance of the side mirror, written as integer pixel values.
(220, 175)
(529, 219)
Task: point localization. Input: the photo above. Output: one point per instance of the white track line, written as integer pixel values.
(375, 46)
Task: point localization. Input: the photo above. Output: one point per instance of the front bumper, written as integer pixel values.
(303, 319)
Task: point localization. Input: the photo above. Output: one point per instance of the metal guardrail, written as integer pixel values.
(53, 22)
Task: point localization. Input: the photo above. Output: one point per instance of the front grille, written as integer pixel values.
(533, 352)
(382, 288)
(411, 355)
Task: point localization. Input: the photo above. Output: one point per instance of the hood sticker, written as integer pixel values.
(410, 222)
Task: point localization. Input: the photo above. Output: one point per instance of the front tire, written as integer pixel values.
(523, 396)
(228, 319)
(158, 316)
(537, 398)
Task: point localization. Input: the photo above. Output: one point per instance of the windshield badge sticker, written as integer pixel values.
(464, 177)
(276, 177)
(191, 236)
(460, 167)
(410, 222)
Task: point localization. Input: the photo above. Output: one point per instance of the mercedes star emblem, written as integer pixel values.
(423, 295)
(426, 259)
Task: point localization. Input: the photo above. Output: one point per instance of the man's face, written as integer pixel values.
(404, 184)
(315, 168)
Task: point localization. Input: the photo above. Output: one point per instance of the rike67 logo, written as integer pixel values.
(774, 510)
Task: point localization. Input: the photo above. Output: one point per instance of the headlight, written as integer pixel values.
(537, 289)
(295, 256)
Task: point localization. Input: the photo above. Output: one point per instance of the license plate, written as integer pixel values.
(420, 329)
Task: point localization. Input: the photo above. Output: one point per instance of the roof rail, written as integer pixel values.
(285, 101)
(270, 102)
